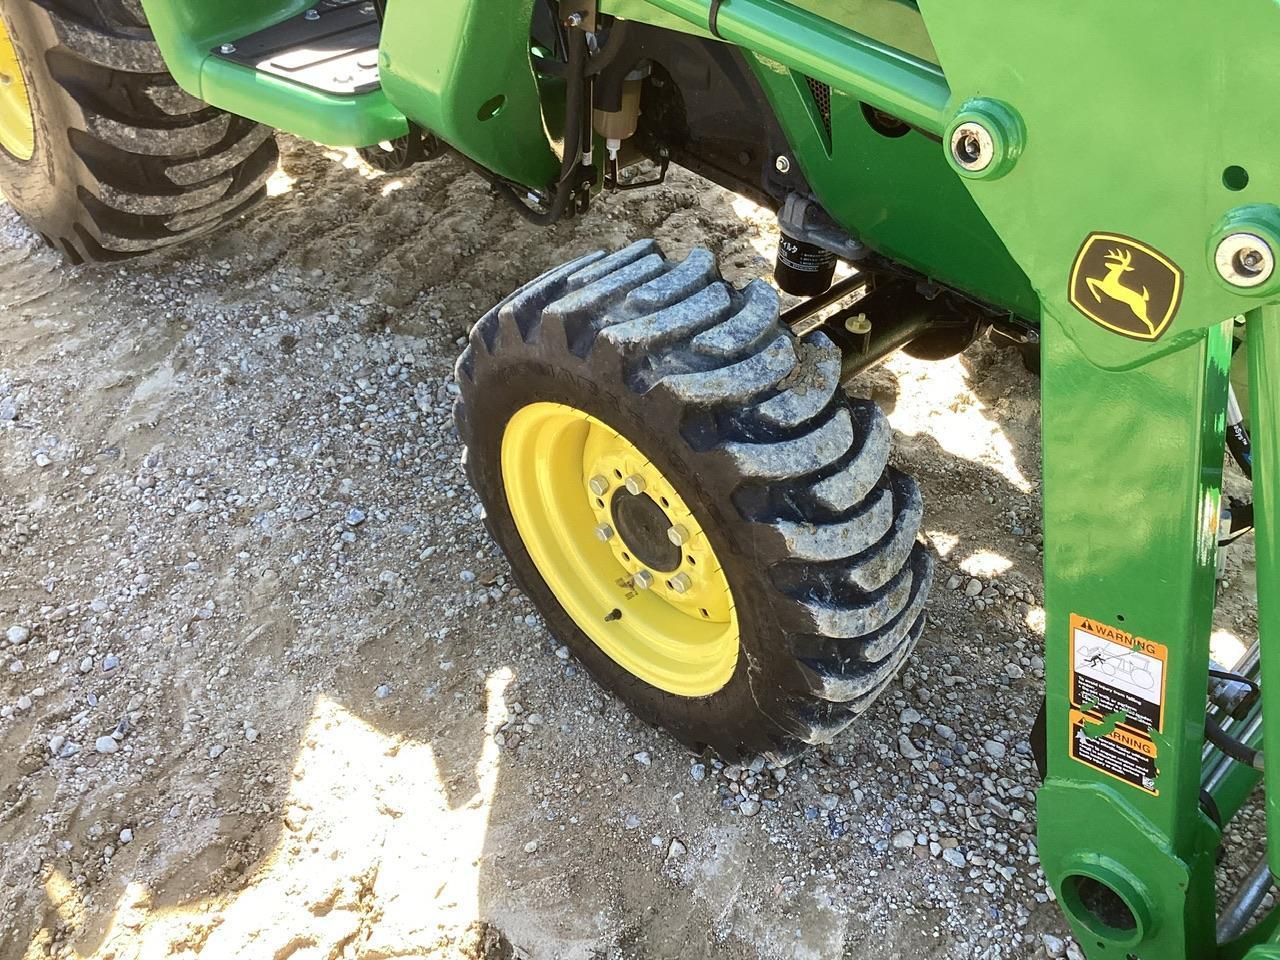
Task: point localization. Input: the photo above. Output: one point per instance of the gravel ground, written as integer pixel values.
(266, 688)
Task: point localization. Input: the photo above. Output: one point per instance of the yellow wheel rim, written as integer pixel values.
(566, 474)
(17, 124)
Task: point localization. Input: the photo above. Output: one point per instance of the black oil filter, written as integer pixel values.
(803, 269)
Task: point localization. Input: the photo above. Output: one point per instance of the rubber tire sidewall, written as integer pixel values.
(731, 720)
(43, 189)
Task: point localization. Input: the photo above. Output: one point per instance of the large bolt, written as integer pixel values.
(972, 146)
(1244, 259)
(599, 485)
(783, 163)
(604, 532)
(984, 139)
(678, 534)
(680, 583)
(635, 484)
(642, 580)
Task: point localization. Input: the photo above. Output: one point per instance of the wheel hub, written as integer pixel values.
(17, 123)
(644, 527)
(624, 555)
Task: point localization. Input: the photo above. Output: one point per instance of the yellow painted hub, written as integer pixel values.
(17, 124)
(562, 468)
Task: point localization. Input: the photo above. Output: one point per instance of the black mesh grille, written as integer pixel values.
(822, 98)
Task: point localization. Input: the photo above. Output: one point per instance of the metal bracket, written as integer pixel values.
(803, 218)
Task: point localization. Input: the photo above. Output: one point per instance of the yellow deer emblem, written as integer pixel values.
(1118, 264)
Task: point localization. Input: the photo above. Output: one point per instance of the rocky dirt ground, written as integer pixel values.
(266, 689)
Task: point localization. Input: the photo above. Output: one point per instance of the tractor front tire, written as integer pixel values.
(693, 504)
(100, 150)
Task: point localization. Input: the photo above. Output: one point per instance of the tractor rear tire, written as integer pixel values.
(105, 155)
(744, 451)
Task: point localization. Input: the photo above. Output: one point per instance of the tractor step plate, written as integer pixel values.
(332, 47)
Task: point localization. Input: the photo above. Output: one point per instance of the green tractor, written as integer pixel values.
(671, 464)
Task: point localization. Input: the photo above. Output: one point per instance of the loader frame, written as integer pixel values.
(1118, 130)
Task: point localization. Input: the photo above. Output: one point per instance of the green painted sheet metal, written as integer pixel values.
(1262, 327)
(889, 79)
(462, 70)
(1132, 476)
(897, 194)
(187, 30)
(893, 23)
(1132, 115)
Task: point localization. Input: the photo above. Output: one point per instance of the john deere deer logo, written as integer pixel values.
(1126, 286)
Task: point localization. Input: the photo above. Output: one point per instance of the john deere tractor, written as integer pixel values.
(671, 463)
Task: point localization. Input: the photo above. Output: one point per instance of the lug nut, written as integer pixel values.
(642, 580)
(635, 484)
(680, 583)
(599, 485)
(604, 532)
(678, 534)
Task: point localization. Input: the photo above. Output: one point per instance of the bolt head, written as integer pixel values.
(642, 580)
(604, 532)
(680, 583)
(599, 484)
(227, 48)
(575, 20)
(311, 15)
(635, 484)
(783, 163)
(972, 146)
(678, 534)
(1244, 260)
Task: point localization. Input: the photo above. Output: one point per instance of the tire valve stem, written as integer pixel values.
(612, 615)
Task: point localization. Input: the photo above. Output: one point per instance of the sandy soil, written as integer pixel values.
(267, 691)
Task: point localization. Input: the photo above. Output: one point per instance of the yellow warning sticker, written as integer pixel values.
(1127, 756)
(1114, 672)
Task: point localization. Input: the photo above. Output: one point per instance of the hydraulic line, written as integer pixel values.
(1233, 748)
(1237, 436)
(575, 115)
(1244, 903)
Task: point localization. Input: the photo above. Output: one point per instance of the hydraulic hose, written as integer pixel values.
(1232, 747)
(575, 102)
(1237, 436)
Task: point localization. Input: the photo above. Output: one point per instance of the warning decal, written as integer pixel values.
(1122, 754)
(1116, 672)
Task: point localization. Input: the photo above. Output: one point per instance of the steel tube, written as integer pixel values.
(909, 88)
(1244, 903)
